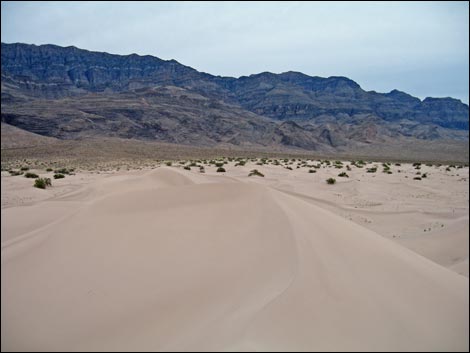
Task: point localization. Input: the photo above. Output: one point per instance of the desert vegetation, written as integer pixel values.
(42, 183)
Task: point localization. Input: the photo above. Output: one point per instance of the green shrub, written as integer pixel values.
(312, 171)
(31, 175)
(256, 172)
(201, 169)
(24, 168)
(187, 167)
(41, 183)
(330, 181)
(168, 164)
(49, 170)
(289, 168)
(240, 163)
(220, 170)
(447, 169)
(59, 176)
(219, 164)
(343, 174)
(425, 175)
(371, 170)
(416, 178)
(15, 172)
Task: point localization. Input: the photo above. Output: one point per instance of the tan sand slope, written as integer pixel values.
(173, 261)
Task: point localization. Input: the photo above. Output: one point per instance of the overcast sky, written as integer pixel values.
(420, 48)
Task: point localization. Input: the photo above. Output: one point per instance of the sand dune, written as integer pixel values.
(166, 260)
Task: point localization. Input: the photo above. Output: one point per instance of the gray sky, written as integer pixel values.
(420, 48)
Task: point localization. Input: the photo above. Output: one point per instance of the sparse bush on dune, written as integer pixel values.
(221, 170)
(31, 175)
(416, 178)
(15, 172)
(331, 181)
(288, 168)
(187, 167)
(219, 164)
(24, 168)
(312, 171)
(343, 174)
(348, 168)
(371, 170)
(255, 172)
(42, 183)
(59, 176)
(447, 169)
(201, 169)
(398, 164)
(425, 175)
(49, 170)
(240, 163)
(168, 163)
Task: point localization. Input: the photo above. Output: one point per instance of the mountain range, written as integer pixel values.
(71, 93)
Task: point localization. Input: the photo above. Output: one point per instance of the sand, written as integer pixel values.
(170, 259)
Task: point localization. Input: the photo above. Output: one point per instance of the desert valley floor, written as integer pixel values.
(167, 258)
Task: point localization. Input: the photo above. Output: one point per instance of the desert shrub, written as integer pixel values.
(240, 163)
(312, 171)
(425, 175)
(447, 169)
(343, 175)
(187, 167)
(41, 183)
(256, 173)
(416, 178)
(193, 164)
(31, 175)
(24, 168)
(389, 172)
(398, 164)
(201, 169)
(59, 176)
(168, 164)
(15, 172)
(220, 170)
(49, 170)
(289, 168)
(418, 173)
(371, 170)
(348, 167)
(417, 164)
(428, 165)
(219, 164)
(331, 181)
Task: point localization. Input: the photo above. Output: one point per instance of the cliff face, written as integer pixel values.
(319, 111)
